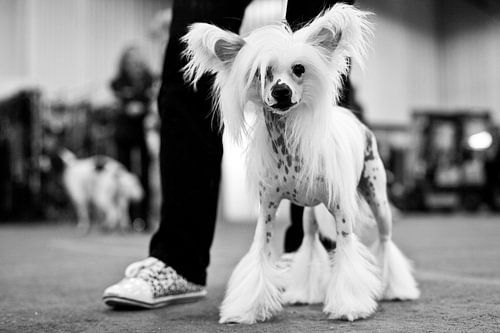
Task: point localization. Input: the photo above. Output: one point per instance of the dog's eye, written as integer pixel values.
(298, 70)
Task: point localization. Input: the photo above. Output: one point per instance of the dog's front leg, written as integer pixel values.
(254, 289)
(355, 283)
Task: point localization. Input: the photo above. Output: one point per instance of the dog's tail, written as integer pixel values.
(67, 156)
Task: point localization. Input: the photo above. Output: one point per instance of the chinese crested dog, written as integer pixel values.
(104, 184)
(304, 148)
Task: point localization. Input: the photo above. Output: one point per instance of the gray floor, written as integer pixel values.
(51, 280)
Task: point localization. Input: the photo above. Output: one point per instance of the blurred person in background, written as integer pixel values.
(190, 165)
(133, 88)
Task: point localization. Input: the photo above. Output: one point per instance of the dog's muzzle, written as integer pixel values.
(283, 95)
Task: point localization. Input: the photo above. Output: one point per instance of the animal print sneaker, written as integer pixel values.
(152, 284)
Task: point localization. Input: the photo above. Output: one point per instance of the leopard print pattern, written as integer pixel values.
(165, 281)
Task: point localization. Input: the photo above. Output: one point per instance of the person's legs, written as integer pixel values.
(190, 161)
(191, 150)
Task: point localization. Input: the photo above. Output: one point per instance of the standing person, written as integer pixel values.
(132, 87)
(190, 162)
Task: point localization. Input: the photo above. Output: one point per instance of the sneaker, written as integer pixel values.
(152, 284)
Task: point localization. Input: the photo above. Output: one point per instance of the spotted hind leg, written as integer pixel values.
(397, 278)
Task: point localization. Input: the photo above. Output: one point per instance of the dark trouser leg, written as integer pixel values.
(123, 152)
(190, 161)
(295, 232)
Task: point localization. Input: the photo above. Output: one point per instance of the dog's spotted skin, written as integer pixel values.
(372, 185)
(285, 185)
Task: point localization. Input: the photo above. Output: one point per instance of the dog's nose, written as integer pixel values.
(281, 92)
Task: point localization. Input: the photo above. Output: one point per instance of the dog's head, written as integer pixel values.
(274, 68)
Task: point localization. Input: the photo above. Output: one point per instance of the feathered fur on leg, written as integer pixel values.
(253, 293)
(307, 279)
(355, 282)
(397, 278)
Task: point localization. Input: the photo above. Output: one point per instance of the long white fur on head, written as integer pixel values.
(201, 42)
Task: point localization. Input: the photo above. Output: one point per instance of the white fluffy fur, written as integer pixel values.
(308, 276)
(355, 283)
(309, 273)
(397, 278)
(253, 292)
(109, 190)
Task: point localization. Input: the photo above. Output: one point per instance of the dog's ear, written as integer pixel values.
(209, 49)
(327, 39)
(341, 31)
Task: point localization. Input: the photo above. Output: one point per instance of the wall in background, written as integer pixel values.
(402, 69)
(431, 54)
(13, 43)
(469, 62)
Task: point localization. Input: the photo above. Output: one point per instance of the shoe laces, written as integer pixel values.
(158, 271)
(135, 268)
(152, 269)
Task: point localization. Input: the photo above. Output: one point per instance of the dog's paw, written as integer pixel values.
(355, 283)
(350, 316)
(254, 291)
(397, 273)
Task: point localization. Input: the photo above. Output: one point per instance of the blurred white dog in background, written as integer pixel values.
(104, 184)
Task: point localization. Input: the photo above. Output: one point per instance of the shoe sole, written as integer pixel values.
(116, 301)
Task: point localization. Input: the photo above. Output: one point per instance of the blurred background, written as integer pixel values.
(429, 90)
(81, 77)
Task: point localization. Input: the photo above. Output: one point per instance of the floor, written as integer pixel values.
(51, 280)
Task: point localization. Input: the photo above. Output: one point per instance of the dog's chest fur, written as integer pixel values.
(285, 179)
